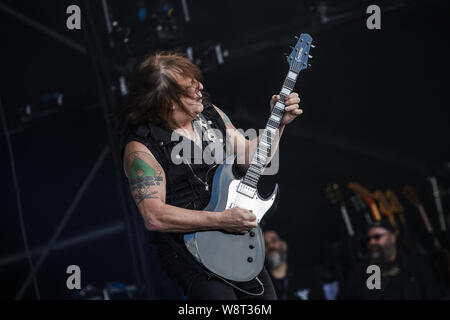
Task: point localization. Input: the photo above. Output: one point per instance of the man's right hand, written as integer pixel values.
(238, 221)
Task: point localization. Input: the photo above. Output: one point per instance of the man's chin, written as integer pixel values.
(376, 257)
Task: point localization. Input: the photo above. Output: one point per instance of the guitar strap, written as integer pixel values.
(213, 136)
(210, 134)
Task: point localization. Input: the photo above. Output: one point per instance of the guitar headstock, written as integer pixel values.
(358, 203)
(411, 195)
(298, 59)
(365, 194)
(396, 205)
(384, 205)
(333, 194)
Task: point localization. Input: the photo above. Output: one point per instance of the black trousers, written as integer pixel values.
(204, 287)
(199, 285)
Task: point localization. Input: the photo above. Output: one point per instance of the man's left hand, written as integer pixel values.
(292, 109)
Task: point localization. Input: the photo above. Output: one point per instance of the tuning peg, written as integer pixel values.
(313, 46)
(310, 56)
(309, 65)
(296, 38)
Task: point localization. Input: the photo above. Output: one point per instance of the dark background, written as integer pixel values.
(375, 111)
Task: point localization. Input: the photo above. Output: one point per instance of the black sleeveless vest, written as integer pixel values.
(185, 184)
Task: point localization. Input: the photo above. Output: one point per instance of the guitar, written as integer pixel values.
(399, 211)
(438, 202)
(334, 195)
(361, 207)
(397, 207)
(386, 209)
(368, 197)
(410, 194)
(241, 257)
(439, 255)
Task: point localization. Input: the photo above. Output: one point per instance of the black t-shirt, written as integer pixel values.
(299, 284)
(410, 278)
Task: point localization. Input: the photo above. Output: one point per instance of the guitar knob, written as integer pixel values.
(252, 234)
(251, 247)
(250, 259)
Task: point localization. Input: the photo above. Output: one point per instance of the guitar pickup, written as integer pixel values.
(246, 190)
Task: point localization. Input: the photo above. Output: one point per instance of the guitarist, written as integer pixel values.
(167, 99)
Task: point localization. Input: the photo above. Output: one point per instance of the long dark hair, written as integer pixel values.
(154, 89)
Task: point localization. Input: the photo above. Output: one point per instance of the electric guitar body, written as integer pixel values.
(233, 257)
(241, 257)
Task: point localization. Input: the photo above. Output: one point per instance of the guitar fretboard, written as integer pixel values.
(255, 169)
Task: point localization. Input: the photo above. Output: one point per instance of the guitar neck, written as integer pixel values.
(428, 225)
(425, 219)
(376, 214)
(269, 134)
(348, 223)
(437, 199)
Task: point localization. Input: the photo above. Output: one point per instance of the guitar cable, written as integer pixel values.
(18, 199)
(182, 253)
(242, 290)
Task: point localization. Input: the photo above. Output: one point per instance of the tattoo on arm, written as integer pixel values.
(142, 177)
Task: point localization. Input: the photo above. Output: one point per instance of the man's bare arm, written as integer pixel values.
(243, 145)
(148, 187)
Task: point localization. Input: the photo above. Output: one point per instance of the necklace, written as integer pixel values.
(204, 182)
(203, 125)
